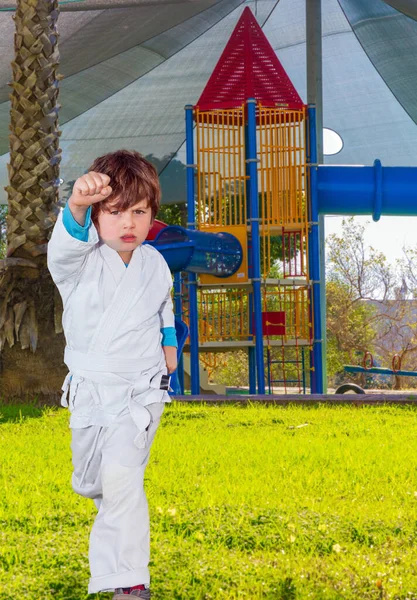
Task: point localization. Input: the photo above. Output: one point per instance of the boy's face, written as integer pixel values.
(125, 231)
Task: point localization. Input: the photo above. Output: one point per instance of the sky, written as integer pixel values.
(389, 235)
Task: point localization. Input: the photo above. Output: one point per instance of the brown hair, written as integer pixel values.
(132, 179)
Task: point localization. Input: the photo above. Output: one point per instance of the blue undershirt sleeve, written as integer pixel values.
(77, 231)
(169, 337)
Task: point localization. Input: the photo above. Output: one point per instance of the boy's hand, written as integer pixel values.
(90, 188)
(170, 358)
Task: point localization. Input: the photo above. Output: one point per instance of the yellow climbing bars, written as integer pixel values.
(223, 315)
(282, 169)
(283, 193)
(212, 361)
(224, 305)
(221, 177)
(282, 184)
(221, 168)
(293, 302)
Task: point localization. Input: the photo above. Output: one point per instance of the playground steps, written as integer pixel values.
(205, 386)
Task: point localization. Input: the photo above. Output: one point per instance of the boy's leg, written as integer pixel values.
(86, 446)
(120, 537)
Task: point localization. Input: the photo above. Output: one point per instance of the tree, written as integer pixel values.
(365, 271)
(370, 303)
(401, 329)
(231, 369)
(350, 327)
(30, 309)
(173, 214)
(3, 231)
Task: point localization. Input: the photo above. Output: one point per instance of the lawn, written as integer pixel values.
(246, 502)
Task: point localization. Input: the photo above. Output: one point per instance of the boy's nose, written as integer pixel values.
(129, 220)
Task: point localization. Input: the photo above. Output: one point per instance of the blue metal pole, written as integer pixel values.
(303, 365)
(252, 161)
(268, 355)
(178, 313)
(251, 355)
(314, 254)
(251, 349)
(192, 277)
(312, 374)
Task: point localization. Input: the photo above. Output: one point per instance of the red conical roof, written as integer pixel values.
(248, 68)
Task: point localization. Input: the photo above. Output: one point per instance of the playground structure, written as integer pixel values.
(254, 196)
(246, 246)
(218, 254)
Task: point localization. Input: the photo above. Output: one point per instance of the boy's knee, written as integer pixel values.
(120, 481)
(87, 489)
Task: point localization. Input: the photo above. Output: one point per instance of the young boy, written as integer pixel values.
(119, 329)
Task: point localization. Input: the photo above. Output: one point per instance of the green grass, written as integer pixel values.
(243, 503)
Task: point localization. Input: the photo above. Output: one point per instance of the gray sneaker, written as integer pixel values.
(144, 594)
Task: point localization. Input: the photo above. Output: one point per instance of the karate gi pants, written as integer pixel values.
(109, 467)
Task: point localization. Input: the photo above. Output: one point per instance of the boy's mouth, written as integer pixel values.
(128, 238)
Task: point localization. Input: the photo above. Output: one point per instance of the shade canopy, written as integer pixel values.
(130, 66)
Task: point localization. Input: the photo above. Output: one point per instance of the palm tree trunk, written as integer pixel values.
(31, 350)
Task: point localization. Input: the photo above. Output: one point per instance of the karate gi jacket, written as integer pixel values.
(112, 319)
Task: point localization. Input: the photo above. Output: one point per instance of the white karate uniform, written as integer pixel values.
(112, 319)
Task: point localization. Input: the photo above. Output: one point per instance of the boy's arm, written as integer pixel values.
(170, 358)
(67, 252)
(170, 346)
(74, 235)
(77, 230)
(169, 338)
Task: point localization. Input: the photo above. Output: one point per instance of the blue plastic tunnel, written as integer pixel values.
(367, 190)
(218, 254)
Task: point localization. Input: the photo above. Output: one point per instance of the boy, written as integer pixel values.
(119, 329)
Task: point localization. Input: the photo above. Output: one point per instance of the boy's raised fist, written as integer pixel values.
(90, 188)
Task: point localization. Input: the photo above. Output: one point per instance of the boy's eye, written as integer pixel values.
(114, 212)
(139, 211)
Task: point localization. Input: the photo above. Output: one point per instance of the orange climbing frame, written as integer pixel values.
(221, 171)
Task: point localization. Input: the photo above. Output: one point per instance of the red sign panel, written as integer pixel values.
(273, 322)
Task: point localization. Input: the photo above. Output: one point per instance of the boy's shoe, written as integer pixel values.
(143, 594)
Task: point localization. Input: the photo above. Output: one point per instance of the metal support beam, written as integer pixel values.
(178, 314)
(251, 157)
(315, 97)
(314, 263)
(251, 349)
(192, 277)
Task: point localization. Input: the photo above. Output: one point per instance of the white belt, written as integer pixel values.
(107, 370)
(79, 361)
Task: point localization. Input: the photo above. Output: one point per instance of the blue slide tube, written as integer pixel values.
(314, 258)
(252, 161)
(218, 254)
(192, 277)
(367, 190)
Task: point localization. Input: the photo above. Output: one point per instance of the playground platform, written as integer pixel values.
(371, 399)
